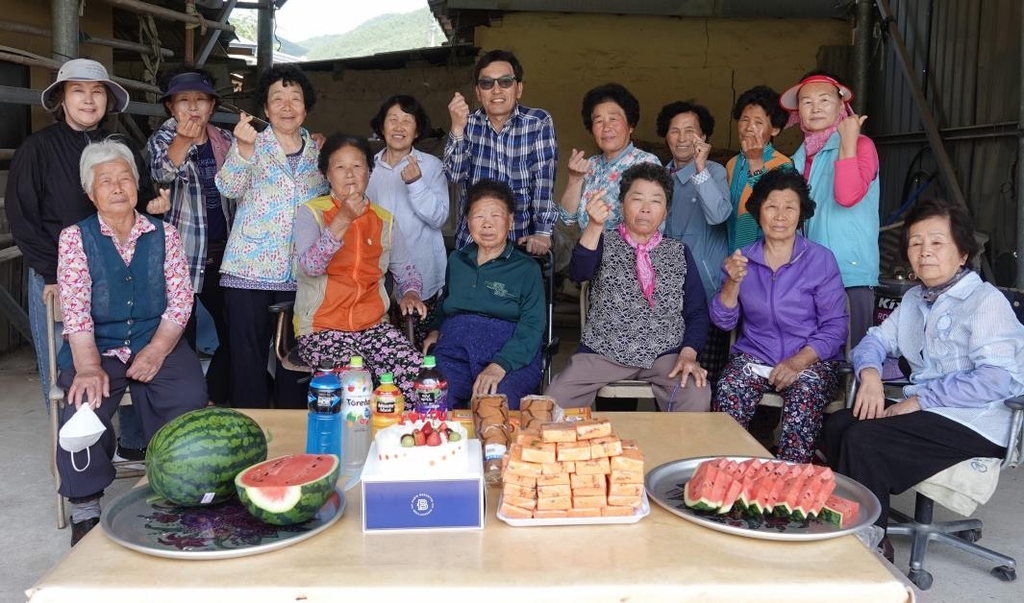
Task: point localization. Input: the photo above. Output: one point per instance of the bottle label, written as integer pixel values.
(386, 405)
(431, 396)
(494, 452)
(324, 400)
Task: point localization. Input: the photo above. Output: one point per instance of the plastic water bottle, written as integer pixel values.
(387, 404)
(431, 388)
(323, 425)
(356, 389)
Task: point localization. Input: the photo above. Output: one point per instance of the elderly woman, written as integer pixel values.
(491, 321)
(125, 330)
(759, 119)
(786, 293)
(344, 243)
(44, 195)
(648, 316)
(270, 173)
(841, 166)
(186, 152)
(411, 185)
(966, 353)
(611, 113)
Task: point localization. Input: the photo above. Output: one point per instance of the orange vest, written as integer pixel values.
(350, 295)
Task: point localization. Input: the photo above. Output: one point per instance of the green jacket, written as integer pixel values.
(509, 287)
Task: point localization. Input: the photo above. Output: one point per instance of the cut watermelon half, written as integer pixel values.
(288, 489)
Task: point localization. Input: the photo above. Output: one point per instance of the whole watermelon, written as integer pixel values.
(193, 459)
(289, 489)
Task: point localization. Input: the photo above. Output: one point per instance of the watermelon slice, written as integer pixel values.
(751, 476)
(840, 511)
(785, 477)
(789, 498)
(822, 484)
(733, 489)
(697, 493)
(289, 489)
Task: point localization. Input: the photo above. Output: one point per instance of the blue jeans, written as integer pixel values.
(131, 426)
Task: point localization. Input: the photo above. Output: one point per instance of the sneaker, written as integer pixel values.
(132, 459)
(80, 528)
(129, 454)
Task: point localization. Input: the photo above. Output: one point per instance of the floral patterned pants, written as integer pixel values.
(383, 347)
(739, 392)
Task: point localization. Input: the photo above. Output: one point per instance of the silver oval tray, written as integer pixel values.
(665, 486)
(144, 521)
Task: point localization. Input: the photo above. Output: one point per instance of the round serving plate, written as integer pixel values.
(142, 520)
(665, 486)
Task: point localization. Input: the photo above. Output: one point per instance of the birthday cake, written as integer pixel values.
(421, 442)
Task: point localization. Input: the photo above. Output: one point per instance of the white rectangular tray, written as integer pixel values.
(643, 511)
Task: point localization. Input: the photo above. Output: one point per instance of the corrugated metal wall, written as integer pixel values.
(967, 53)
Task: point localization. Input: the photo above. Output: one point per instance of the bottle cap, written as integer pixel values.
(356, 362)
(429, 362)
(387, 378)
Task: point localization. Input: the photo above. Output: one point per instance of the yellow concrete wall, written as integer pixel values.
(347, 101)
(97, 21)
(660, 59)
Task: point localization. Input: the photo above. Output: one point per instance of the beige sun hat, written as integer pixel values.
(84, 70)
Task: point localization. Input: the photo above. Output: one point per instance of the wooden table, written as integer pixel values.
(661, 558)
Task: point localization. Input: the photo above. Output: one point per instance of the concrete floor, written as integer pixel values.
(32, 544)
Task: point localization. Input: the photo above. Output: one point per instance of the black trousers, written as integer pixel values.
(177, 388)
(250, 334)
(212, 297)
(891, 454)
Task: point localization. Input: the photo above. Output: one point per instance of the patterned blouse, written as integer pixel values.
(75, 282)
(604, 175)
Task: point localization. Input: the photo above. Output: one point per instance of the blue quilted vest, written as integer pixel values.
(127, 301)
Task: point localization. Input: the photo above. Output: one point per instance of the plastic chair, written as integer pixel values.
(124, 469)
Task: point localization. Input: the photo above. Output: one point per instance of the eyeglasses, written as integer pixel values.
(505, 81)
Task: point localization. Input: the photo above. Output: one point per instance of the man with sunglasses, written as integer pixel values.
(507, 142)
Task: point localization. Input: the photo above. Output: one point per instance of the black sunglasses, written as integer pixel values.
(505, 81)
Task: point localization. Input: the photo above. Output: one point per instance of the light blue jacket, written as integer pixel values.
(966, 352)
(260, 244)
(697, 217)
(851, 233)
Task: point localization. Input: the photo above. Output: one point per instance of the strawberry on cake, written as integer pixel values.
(422, 443)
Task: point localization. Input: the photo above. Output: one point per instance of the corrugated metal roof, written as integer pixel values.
(967, 54)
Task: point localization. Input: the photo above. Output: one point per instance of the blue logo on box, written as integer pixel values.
(422, 504)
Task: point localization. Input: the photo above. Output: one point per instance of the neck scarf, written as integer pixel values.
(644, 269)
(814, 141)
(930, 294)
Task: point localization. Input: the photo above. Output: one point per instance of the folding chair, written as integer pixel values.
(125, 469)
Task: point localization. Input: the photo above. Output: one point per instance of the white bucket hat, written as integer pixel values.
(84, 70)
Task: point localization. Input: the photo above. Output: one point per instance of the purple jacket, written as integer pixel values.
(802, 304)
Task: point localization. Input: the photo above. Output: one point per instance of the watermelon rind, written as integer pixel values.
(292, 504)
(194, 458)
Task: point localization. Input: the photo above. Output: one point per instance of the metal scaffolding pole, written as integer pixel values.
(931, 130)
(265, 41)
(84, 38)
(211, 36)
(64, 14)
(862, 55)
(138, 7)
(37, 61)
(1020, 166)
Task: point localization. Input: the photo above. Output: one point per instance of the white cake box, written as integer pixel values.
(447, 499)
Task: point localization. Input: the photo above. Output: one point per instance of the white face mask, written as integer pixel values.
(81, 431)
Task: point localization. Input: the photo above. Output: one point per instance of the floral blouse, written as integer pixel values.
(604, 176)
(75, 282)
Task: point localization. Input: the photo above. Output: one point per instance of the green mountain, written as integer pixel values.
(385, 33)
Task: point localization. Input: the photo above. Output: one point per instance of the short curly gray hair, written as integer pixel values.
(103, 151)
